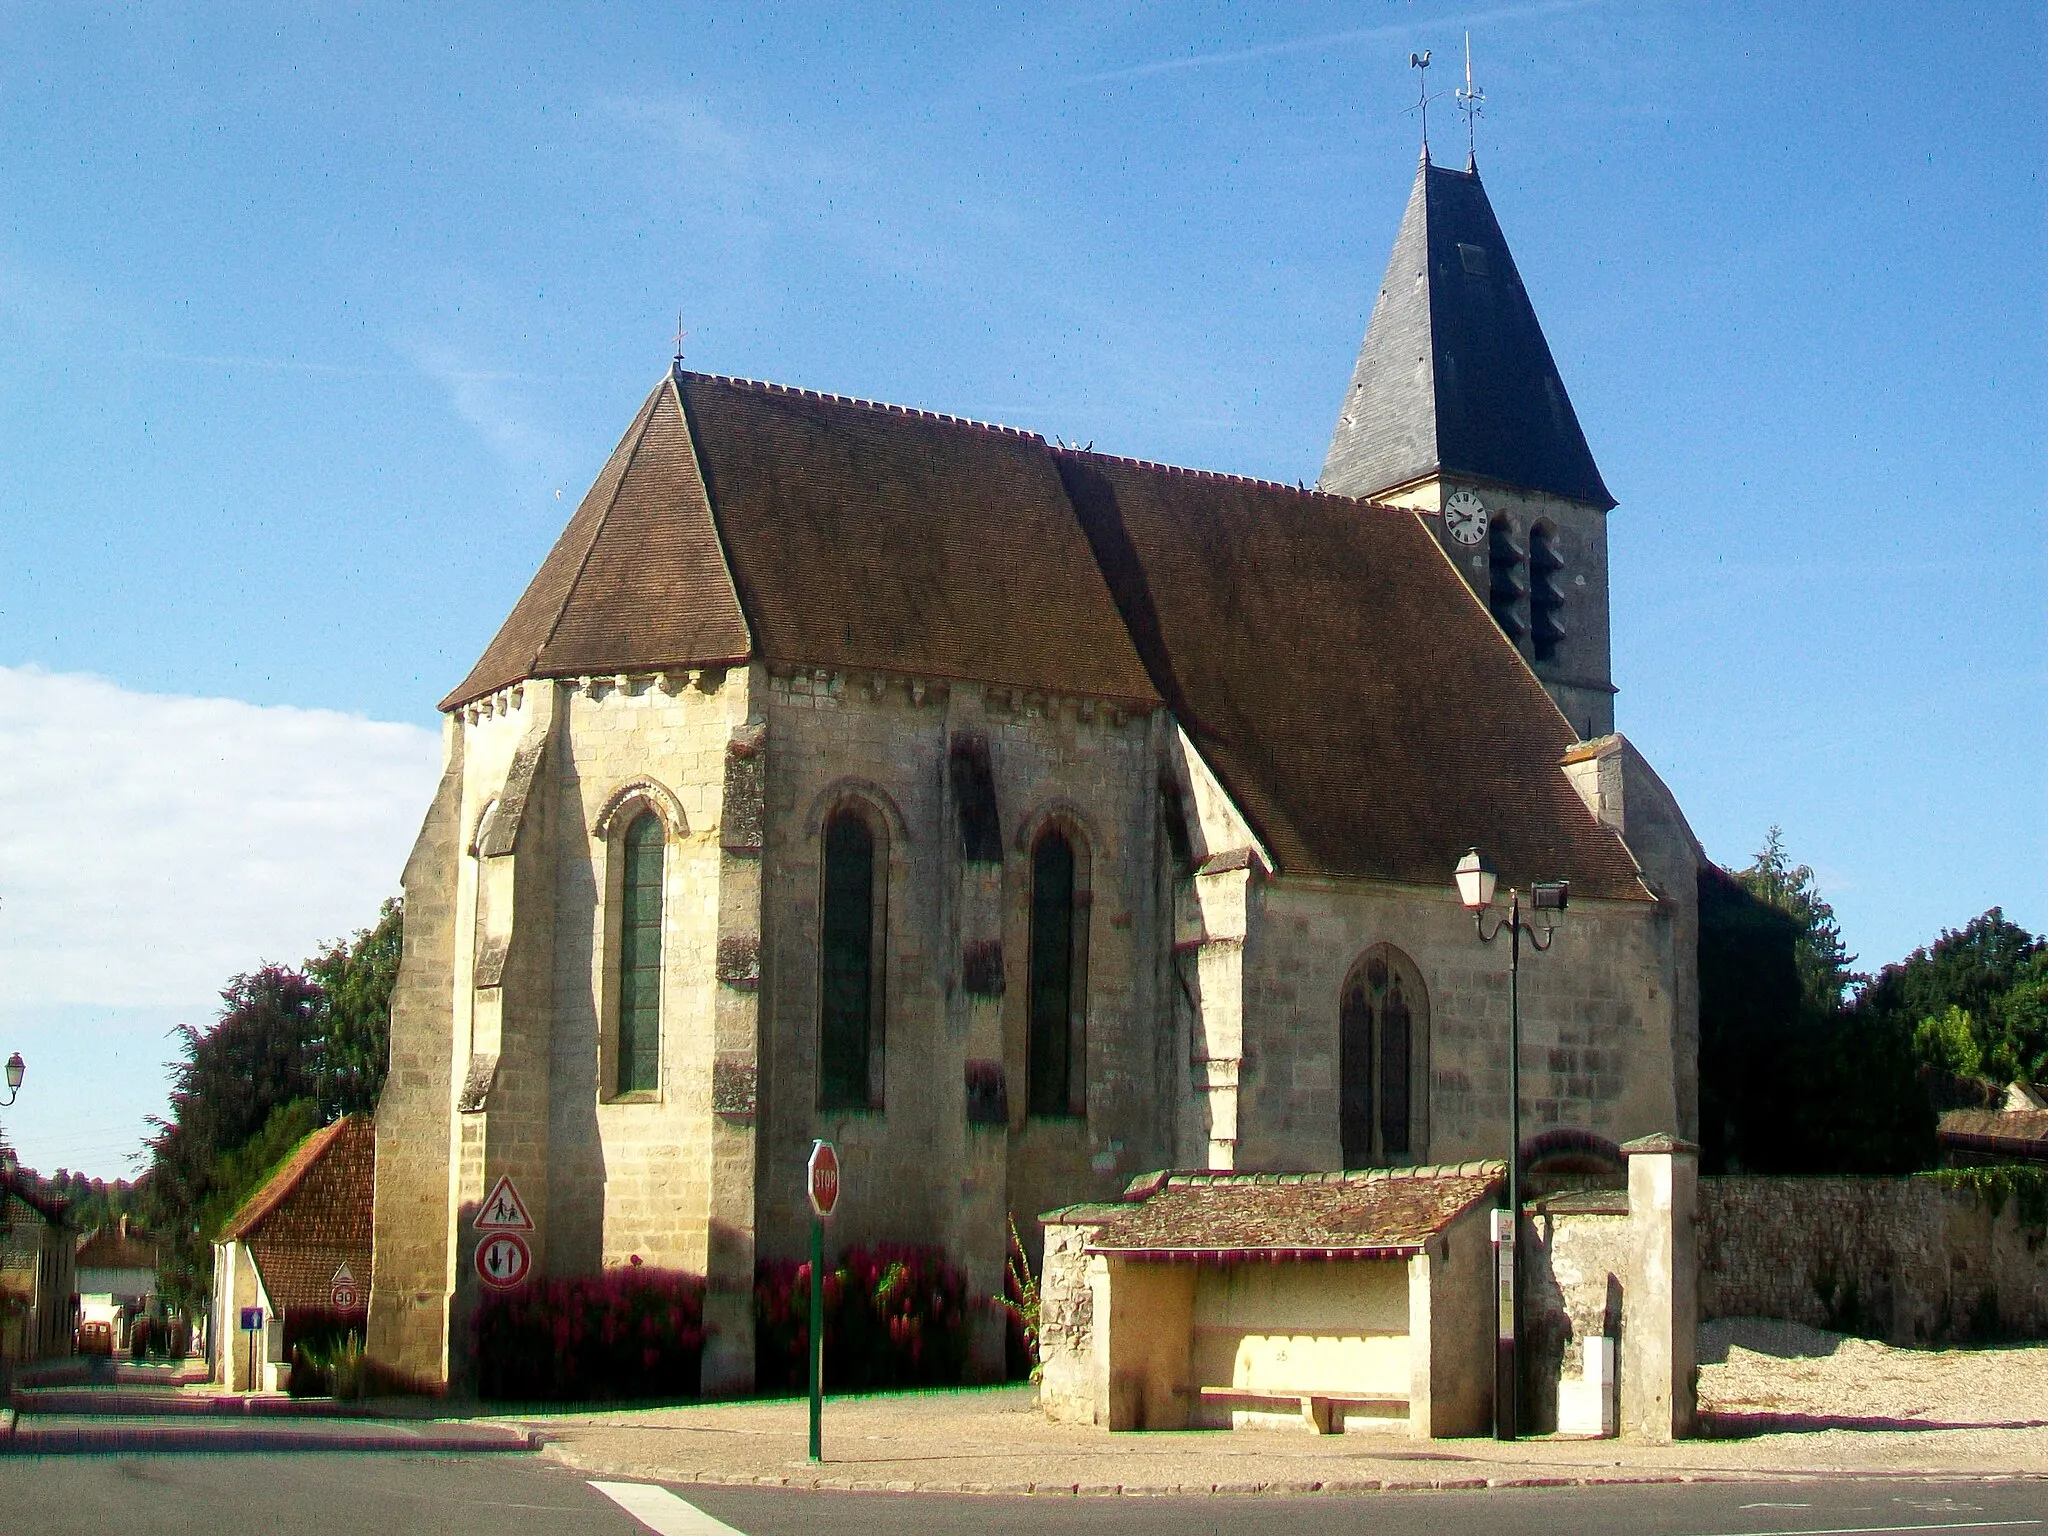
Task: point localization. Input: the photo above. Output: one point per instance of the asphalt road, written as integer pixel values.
(459, 1495)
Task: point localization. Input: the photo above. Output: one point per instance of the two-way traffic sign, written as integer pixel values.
(503, 1257)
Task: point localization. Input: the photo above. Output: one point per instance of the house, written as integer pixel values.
(298, 1249)
(37, 1268)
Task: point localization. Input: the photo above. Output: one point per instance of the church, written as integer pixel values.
(1022, 819)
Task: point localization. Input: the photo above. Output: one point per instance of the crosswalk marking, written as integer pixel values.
(662, 1512)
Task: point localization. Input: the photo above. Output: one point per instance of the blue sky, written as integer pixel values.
(320, 321)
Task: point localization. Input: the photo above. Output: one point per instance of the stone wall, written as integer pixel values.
(1598, 1022)
(926, 1165)
(1575, 1273)
(1905, 1259)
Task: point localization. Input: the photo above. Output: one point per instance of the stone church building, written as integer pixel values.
(1022, 819)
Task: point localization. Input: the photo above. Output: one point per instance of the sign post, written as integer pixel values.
(252, 1325)
(823, 1180)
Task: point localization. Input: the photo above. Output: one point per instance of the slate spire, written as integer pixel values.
(1455, 378)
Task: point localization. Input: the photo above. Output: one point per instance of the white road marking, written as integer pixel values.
(1888, 1530)
(666, 1515)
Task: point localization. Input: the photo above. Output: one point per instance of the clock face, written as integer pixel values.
(1465, 517)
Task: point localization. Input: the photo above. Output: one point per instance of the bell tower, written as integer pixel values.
(1456, 410)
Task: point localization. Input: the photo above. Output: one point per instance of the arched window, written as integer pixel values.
(849, 961)
(1504, 588)
(1546, 592)
(1382, 1048)
(640, 955)
(1057, 1050)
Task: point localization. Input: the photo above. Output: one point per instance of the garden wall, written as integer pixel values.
(1926, 1258)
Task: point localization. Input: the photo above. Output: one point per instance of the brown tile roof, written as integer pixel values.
(18, 1187)
(1336, 672)
(111, 1248)
(1376, 1213)
(313, 1215)
(1999, 1132)
(1354, 696)
(636, 581)
(739, 519)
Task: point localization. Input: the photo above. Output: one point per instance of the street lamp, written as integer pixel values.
(1476, 882)
(17, 1069)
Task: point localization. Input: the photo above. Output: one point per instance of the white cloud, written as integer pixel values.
(152, 845)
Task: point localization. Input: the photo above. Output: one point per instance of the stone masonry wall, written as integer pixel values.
(1599, 1017)
(1575, 1267)
(954, 963)
(1905, 1259)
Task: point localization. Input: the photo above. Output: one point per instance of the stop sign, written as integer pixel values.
(824, 1177)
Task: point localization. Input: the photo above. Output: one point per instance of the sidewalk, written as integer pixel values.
(994, 1440)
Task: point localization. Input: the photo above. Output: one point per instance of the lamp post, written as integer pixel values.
(17, 1069)
(1476, 882)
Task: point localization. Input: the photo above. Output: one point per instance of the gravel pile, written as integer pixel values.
(1753, 1365)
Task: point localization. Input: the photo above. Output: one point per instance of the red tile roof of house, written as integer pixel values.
(313, 1216)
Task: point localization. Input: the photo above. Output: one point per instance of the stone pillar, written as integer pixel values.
(1660, 1318)
(735, 1069)
(408, 1324)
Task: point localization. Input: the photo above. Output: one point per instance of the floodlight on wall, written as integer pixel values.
(1476, 880)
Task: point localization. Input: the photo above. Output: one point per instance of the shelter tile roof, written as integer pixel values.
(1455, 376)
(313, 1215)
(2021, 1133)
(1373, 1213)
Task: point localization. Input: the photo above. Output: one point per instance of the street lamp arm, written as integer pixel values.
(1501, 925)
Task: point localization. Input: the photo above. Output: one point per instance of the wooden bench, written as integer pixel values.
(1315, 1406)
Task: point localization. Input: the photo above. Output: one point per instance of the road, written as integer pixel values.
(464, 1495)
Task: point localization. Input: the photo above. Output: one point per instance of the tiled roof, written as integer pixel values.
(1455, 375)
(1338, 675)
(636, 581)
(1325, 657)
(1376, 1213)
(111, 1248)
(739, 520)
(17, 1187)
(2009, 1133)
(313, 1215)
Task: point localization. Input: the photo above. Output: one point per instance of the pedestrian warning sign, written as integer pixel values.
(503, 1211)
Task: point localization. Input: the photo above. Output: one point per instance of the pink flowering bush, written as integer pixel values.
(895, 1316)
(632, 1332)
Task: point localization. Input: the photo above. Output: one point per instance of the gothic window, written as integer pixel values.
(1057, 1047)
(639, 1057)
(850, 961)
(1546, 591)
(1382, 1046)
(1505, 590)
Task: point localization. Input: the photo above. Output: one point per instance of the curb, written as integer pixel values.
(132, 1439)
(1277, 1487)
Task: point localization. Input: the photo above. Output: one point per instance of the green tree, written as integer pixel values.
(1823, 961)
(1789, 1081)
(1991, 969)
(355, 977)
(1951, 1042)
(262, 1054)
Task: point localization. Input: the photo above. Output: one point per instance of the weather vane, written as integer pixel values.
(1471, 102)
(1420, 63)
(680, 334)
